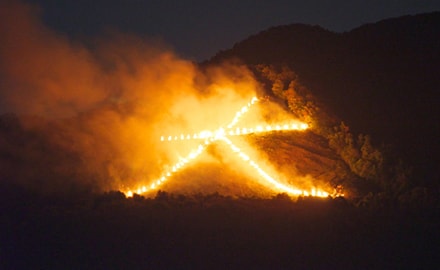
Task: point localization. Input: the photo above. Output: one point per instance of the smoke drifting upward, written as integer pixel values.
(108, 106)
(42, 72)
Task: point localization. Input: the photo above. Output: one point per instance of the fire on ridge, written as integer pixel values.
(222, 134)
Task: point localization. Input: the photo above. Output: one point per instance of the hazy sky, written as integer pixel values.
(198, 29)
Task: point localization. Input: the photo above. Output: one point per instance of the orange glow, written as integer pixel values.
(167, 174)
(269, 179)
(222, 134)
(206, 134)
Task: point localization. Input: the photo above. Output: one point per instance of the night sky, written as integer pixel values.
(198, 29)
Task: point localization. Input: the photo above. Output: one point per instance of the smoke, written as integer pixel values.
(41, 71)
(108, 104)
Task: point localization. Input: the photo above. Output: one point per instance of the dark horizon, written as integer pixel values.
(199, 29)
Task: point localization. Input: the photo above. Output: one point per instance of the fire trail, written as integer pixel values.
(222, 134)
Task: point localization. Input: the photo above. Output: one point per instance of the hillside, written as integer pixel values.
(62, 179)
(380, 79)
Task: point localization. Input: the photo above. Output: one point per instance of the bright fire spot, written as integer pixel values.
(222, 134)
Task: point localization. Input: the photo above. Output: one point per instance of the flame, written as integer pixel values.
(222, 134)
(239, 131)
(167, 174)
(274, 183)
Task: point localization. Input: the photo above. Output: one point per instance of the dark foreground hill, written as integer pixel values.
(109, 231)
(381, 79)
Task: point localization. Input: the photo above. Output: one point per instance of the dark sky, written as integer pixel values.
(198, 29)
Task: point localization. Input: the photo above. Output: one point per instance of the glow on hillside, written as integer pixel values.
(274, 184)
(222, 134)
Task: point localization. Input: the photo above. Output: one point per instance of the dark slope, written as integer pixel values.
(382, 78)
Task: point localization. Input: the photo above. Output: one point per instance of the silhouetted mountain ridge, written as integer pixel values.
(380, 78)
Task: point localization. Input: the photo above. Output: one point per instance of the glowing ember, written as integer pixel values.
(222, 134)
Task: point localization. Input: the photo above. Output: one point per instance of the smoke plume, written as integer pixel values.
(93, 115)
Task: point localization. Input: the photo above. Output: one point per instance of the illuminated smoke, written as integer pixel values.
(109, 104)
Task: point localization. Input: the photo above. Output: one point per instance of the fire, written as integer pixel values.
(221, 135)
(274, 183)
(237, 131)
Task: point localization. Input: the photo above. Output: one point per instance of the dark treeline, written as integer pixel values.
(170, 231)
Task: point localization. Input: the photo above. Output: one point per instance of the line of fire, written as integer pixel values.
(225, 135)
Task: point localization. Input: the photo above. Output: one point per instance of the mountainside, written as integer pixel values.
(380, 79)
(369, 96)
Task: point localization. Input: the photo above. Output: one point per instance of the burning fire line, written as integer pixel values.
(268, 178)
(222, 134)
(176, 167)
(243, 110)
(237, 131)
